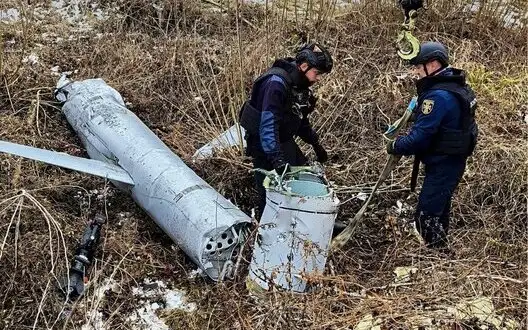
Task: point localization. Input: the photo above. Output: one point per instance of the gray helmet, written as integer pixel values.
(431, 51)
(321, 60)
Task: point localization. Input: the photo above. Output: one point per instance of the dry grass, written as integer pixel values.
(186, 71)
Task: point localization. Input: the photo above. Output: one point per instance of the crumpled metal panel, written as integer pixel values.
(204, 224)
(294, 235)
(229, 138)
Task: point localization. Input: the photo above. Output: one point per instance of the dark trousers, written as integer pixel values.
(292, 155)
(434, 202)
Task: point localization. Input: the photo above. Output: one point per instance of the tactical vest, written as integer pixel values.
(296, 106)
(463, 140)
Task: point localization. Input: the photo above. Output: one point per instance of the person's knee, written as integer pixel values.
(434, 199)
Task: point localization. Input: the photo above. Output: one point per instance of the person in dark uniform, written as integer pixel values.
(442, 137)
(409, 5)
(277, 112)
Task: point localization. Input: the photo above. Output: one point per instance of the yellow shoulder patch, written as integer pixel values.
(427, 106)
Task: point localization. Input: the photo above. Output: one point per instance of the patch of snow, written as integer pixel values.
(512, 18)
(176, 300)
(402, 76)
(81, 14)
(71, 12)
(10, 42)
(361, 196)
(9, 15)
(402, 207)
(472, 7)
(195, 273)
(95, 318)
(95, 322)
(399, 204)
(155, 298)
(31, 59)
(145, 318)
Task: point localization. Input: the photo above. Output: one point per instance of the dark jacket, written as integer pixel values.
(278, 110)
(445, 125)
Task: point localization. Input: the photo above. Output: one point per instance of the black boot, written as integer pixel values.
(432, 230)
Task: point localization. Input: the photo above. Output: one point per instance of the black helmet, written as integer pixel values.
(409, 5)
(316, 56)
(431, 51)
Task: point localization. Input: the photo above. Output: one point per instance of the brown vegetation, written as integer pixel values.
(186, 70)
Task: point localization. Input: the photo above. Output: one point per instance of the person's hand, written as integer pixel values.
(312, 99)
(320, 152)
(283, 169)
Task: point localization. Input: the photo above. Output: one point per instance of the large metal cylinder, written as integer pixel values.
(294, 235)
(204, 224)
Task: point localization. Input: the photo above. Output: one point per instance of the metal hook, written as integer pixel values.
(408, 45)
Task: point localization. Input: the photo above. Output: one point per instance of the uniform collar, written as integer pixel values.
(451, 75)
(299, 80)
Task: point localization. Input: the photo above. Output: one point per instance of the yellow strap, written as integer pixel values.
(341, 239)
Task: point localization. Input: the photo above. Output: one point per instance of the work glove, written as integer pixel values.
(390, 147)
(310, 105)
(312, 99)
(320, 152)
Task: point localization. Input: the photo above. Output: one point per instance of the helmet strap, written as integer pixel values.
(425, 69)
(304, 78)
(434, 72)
(440, 69)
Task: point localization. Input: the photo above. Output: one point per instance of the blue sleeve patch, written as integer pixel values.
(267, 132)
(274, 94)
(276, 78)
